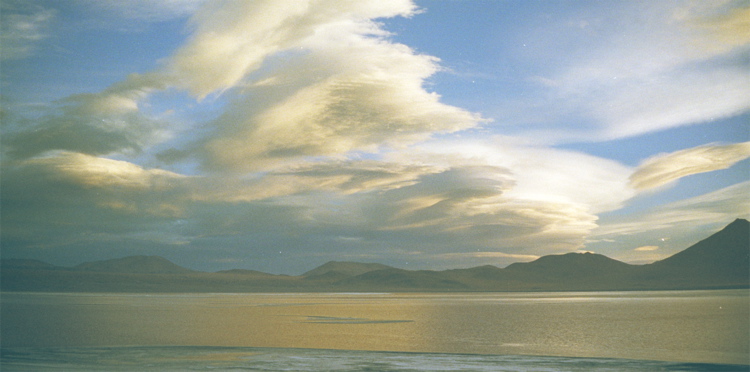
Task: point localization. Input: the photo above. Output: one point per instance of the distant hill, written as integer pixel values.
(719, 261)
(245, 272)
(135, 265)
(342, 269)
(584, 271)
(393, 279)
(570, 265)
(26, 264)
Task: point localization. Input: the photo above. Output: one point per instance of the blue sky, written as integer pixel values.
(278, 135)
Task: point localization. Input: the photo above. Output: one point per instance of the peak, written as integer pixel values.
(568, 260)
(724, 248)
(738, 226)
(575, 256)
(578, 254)
(739, 222)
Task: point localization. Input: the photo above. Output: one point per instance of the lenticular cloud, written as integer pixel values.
(665, 168)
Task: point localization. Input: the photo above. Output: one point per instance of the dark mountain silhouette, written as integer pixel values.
(587, 271)
(724, 250)
(135, 265)
(570, 265)
(719, 261)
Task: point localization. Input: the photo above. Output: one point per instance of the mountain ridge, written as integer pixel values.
(721, 260)
(135, 265)
(346, 268)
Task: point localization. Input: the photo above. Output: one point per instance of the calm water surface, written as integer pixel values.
(681, 326)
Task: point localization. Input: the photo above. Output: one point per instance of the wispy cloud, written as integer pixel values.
(469, 259)
(22, 27)
(714, 208)
(526, 257)
(644, 68)
(671, 227)
(142, 10)
(665, 168)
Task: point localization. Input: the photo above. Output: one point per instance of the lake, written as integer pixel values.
(670, 326)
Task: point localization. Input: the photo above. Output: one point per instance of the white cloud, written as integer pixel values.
(540, 174)
(410, 204)
(662, 169)
(232, 39)
(520, 200)
(345, 89)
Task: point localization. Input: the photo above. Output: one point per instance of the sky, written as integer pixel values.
(279, 135)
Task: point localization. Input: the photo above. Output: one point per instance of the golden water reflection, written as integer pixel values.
(690, 326)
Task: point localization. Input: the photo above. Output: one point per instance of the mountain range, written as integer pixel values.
(719, 261)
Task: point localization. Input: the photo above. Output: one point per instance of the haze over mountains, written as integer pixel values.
(720, 261)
